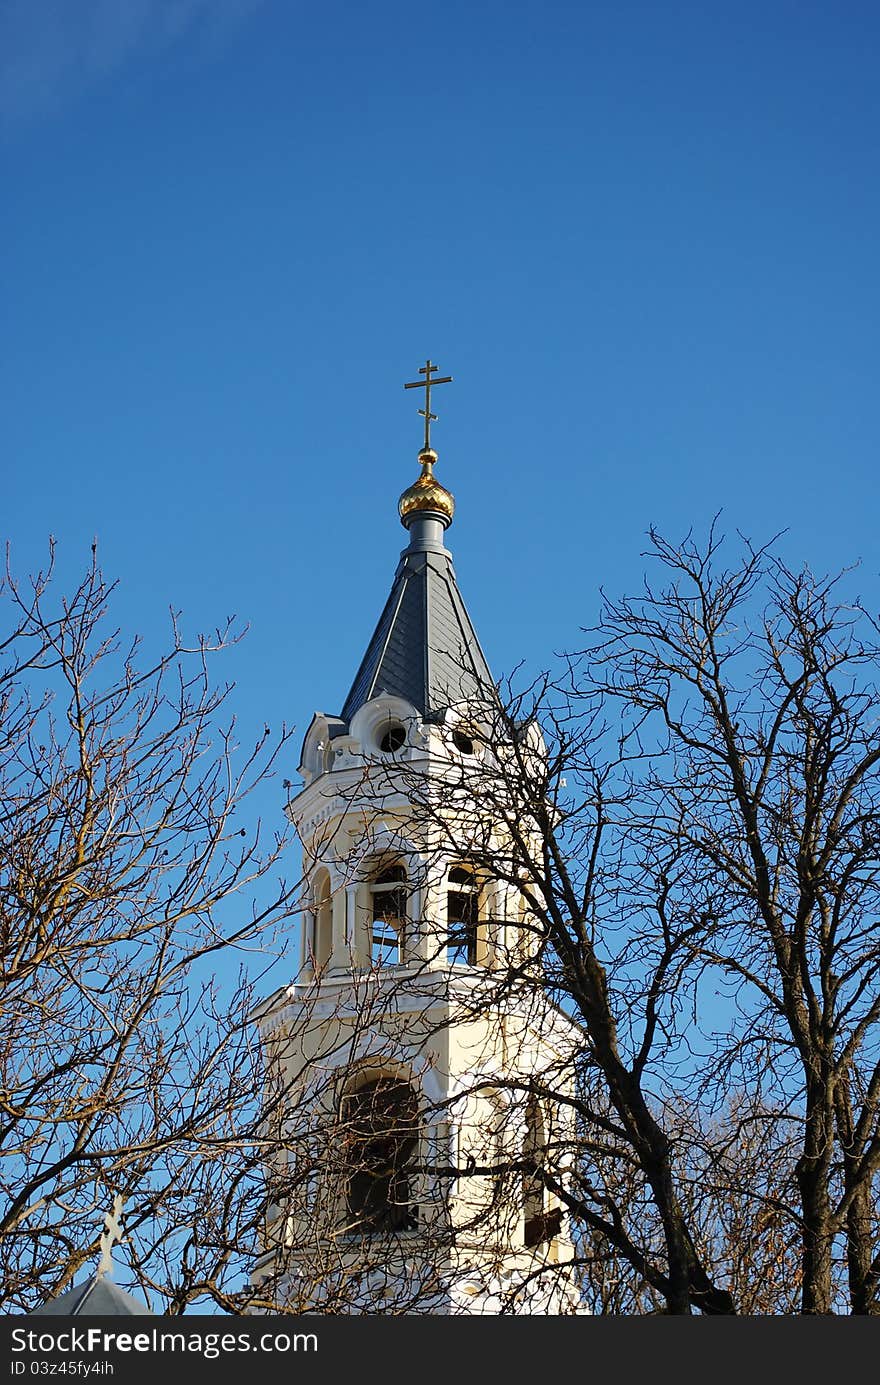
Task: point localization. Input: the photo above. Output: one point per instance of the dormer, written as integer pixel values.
(318, 751)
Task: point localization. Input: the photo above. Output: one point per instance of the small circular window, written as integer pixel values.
(463, 742)
(392, 738)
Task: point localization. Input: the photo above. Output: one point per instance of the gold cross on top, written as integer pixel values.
(427, 370)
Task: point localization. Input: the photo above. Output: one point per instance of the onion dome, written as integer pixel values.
(426, 494)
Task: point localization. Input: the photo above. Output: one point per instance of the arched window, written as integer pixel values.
(380, 1135)
(462, 916)
(323, 943)
(389, 903)
(539, 1225)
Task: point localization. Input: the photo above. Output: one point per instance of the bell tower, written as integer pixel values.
(405, 1072)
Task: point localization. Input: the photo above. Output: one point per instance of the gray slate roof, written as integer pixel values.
(97, 1297)
(424, 647)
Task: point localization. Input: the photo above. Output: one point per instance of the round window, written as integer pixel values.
(392, 738)
(462, 742)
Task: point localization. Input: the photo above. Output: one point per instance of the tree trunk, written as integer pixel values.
(862, 1271)
(818, 1236)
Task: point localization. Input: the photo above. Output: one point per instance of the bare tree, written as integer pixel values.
(749, 702)
(126, 874)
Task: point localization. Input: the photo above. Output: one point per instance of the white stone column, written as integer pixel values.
(493, 907)
(352, 942)
(341, 958)
(433, 915)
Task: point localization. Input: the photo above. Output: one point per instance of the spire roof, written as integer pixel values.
(97, 1296)
(424, 648)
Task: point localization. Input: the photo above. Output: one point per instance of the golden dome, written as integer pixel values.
(426, 493)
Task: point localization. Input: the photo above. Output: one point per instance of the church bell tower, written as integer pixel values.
(405, 1072)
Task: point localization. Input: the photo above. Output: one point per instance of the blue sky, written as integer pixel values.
(642, 238)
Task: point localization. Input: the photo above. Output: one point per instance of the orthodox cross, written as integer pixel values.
(427, 370)
(112, 1233)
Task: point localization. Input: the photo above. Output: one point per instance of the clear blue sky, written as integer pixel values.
(643, 238)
